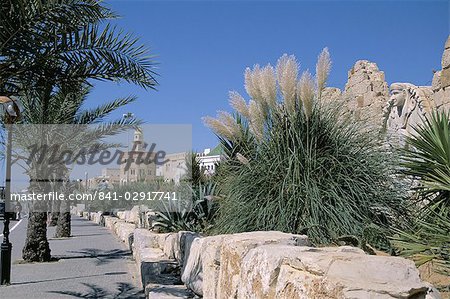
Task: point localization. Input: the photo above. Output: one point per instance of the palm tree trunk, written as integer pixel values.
(36, 247)
(54, 215)
(63, 229)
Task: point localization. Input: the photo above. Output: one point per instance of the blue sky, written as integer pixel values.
(203, 47)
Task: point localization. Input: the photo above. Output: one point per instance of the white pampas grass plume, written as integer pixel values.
(242, 159)
(268, 86)
(229, 121)
(238, 103)
(323, 68)
(219, 128)
(287, 72)
(252, 78)
(256, 120)
(306, 91)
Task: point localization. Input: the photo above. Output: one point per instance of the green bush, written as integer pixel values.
(427, 160)
(296, 165)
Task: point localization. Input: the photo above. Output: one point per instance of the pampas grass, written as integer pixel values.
(297, 166)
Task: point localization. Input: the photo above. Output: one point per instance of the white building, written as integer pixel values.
(174, 169)
(209, 159)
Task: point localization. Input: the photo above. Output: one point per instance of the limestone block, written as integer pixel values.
(143, 238)
(280, 271)
(162, 240)
(235, 249)
(377, 75)
(192, 274)
(358, 89)
(185, 242)
(357, 78)
(121, 215)
(436, 83)
(152, 265)
(96, 217)
(446, 59)
(331, 94)
(133, 216)
(445, 78)
(110, 221)
(172, 246)
(447, 43)
(201, 272)
(438, 97)
(124, 230)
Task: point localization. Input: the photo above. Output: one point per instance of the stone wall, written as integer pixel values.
(366, 97)
(267, 264)
(441, 81)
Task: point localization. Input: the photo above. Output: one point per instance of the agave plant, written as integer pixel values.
(196, 214)
(296, 165)
(427, 160)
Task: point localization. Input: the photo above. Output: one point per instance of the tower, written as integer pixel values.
(138, 140)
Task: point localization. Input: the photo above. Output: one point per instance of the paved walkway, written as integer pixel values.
(92, 264)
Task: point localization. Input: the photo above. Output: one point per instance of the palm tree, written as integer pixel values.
(60, 42)
(66, 108)
(53, 46)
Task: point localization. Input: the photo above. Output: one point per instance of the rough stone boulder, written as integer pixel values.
(280, 271)
(110, 221)
(155, 267)
(121, 215)
(143, 238)
(133, 216)
(124, 231)
(211, 257)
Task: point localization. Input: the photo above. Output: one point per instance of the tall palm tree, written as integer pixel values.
(52, 46)
(62, 42)
(67, 109)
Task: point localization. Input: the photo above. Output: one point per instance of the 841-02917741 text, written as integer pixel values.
(143, 196)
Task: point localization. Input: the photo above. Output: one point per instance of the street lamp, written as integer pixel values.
(128, 115)
(11, 114)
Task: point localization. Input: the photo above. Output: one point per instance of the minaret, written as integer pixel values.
(138, 140)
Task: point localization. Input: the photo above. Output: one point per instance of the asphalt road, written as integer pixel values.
(91, 264)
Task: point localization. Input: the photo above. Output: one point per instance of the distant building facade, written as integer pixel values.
(173, 170)
(137, 171)
(175, 167)
(128, 172)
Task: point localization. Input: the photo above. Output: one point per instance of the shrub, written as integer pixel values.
(427, 160)
(296, 165)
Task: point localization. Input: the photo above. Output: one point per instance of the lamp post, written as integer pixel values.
(12, 113)
(128, 115)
